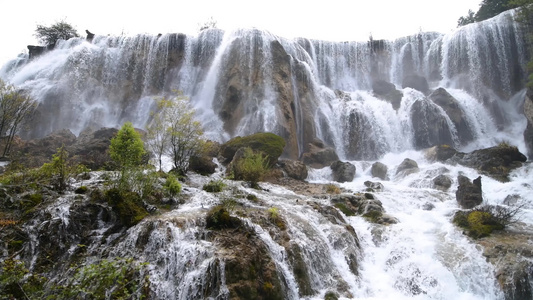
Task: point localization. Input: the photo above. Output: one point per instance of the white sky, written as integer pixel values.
(334, 20)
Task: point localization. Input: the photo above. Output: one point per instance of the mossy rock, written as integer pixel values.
(345, 210)
(373, 216)
(127, 205)
(331, 296)
(270, 144)
(477, 224)
(219, 218)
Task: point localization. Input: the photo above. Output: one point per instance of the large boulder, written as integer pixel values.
(429, 125)
(202, 165)
(90, 148)
(388, 92)
(270, 144)
(33, 153)
(496, 162)
(343, 171)
(379, 170)
(441, 153)
(319, 155)
(293, 168)
(416, 82)
(408, 166)
(468, 193)
(450, 105)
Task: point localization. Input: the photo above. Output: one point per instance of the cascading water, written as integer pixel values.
(246, 81)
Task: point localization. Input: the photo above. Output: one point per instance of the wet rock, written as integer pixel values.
(343, 171)
(388, 92)
(528, 112)
(442, 182)
(441, 153)
(428, 206)
(379, 170)
(496, 162)
(319, 155)
(407, 167)
(294, 169)
(468, 193)
(430, 127)
(512, 199)
(416, 82)
(202, 165)
(374, 186)
(452, 108)
(91, 147)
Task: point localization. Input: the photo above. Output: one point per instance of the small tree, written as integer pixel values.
(15, 108)
(127, 150)
(175, 131)
(252, 167)
(60, 170)
(49, 35)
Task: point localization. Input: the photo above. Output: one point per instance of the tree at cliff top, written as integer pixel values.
(175, 131)
(15, 107)
(49, 35)
(487, 10)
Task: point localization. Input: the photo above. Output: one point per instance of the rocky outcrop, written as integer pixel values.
(293, 168)
(268, 143)
(429, 125)
(319, 155)
(408, 166)
(450, 105)
(416, 82)
(379, 170)
(388, 92)
(365, 205)
(511, 253)
(343, 171)
(468, 193)
(442, 182)
(496, 162)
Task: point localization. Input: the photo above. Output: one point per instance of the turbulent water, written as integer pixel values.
(111, 80)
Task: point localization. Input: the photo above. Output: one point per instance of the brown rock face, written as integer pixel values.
(319, 156)
(528, 111)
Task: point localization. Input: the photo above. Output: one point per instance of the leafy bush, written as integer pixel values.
(172, 185)
(116, 278)
(214, 186)
(16, 282)
(252, 167)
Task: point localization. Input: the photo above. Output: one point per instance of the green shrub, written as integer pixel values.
(214, 186)
(16, 282)
(482, 221)
(30, 201)
(269, 144)
(81, 190)
(127, 205)
(172, 185)
(274, 216)
(252, 167)
(252, 197)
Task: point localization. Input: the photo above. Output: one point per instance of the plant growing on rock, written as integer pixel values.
(252, 167)
(214, 186)
(482, 221)
(172, 185)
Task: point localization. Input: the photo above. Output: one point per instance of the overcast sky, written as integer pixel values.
(334, 20)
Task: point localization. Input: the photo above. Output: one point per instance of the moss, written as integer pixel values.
(373, 216)
(81, 190)
(331, 296)
(252, 197)
(477, 224)
(128, 206)
(345, 210)
(219, 218)
(270, 144)
(31, 201)
(214, 186)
